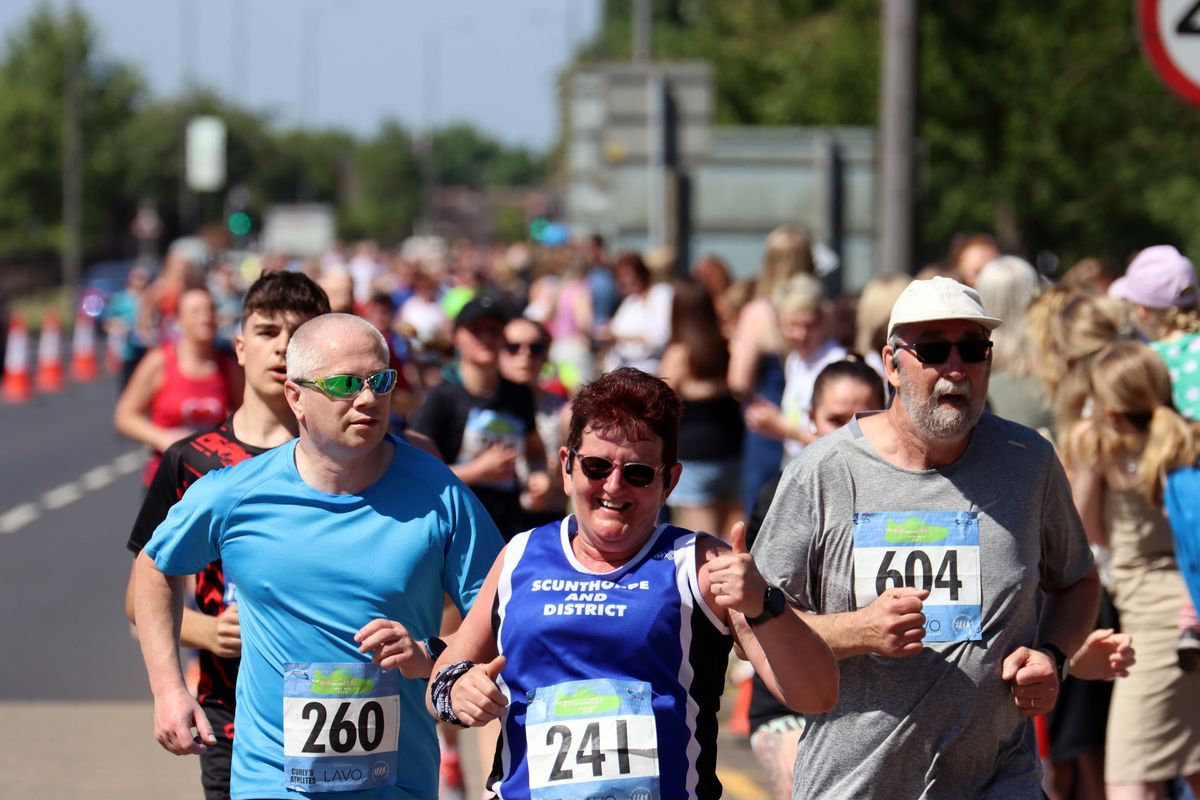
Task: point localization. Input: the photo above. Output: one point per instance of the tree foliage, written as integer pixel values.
(32, 82)
(133, 148)
(1041, 122)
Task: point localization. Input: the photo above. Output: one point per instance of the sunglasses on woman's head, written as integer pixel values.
(971, 351)
(344, 387)
(597, 468)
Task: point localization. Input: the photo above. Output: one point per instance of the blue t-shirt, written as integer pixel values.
(311, 569)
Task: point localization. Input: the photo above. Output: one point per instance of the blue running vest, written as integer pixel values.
(607, 658)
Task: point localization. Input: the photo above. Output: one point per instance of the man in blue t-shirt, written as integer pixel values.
(342, 544)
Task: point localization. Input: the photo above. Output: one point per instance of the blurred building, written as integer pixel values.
(645, 166)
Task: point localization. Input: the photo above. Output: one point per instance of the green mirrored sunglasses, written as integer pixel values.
(345, 387)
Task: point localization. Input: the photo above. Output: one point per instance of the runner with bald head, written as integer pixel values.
(342, 543)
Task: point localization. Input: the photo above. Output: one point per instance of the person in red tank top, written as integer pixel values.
(179, 388)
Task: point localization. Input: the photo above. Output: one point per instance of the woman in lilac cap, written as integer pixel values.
(1160, 283)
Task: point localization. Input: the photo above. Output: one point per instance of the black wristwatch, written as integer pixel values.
(1062, 664)
(435, 647)
(773, 605)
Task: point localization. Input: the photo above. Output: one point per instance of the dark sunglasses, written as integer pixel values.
(971, 351)
(597, 468)
(344, 387)
(536, 349)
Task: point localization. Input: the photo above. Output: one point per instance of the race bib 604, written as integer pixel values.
(933, 550)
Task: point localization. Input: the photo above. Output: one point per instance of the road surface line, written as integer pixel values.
(129, 462)
(98, 478)
(18, 517)
(61, 496)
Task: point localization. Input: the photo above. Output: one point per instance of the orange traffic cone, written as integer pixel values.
(49, 368)
(17, 388)
(83, 349)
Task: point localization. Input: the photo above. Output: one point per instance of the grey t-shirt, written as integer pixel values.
(940, 724)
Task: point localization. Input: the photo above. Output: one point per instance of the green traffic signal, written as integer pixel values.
(239, 223)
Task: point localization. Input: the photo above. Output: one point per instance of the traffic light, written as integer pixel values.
(239, 223)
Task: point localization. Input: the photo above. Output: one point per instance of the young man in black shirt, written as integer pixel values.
(274, 306)
(483, 424)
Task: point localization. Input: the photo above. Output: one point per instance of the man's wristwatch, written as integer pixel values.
(1062, 664)
(773, 605)
(435, 647)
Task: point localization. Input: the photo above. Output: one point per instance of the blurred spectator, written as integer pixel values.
(364, 269)
(799, 306)
(122, 320)
(1117, 462)
(1085, 326)
(339, 286)
(642, 325)
(602, 286)
(1160, 284)
(1042, 325)
(380, 311)
(713, 274)
(662, 262)
(523, 360)
(731, 303)
(570, 326)
(423, 313)
(179, 387)
(482, 423)
(1091, 274)
(757, 350)
(224, 284)
(695, 364)
(872, 315)
(159, 304)
(1007, 286)
(968, 255)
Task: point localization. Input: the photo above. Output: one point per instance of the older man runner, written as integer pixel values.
(940, 554)
(274, 307)
(344, 526)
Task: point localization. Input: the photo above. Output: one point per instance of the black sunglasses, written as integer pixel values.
(971, 351)
(597, 468)
(536, 349)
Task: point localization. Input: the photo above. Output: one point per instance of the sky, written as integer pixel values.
(353, 63)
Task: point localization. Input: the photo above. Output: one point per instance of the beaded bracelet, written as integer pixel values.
(439, 691)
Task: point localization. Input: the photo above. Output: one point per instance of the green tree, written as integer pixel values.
(32, 80)
(383, 197)
(1041, 122)
(466, 157)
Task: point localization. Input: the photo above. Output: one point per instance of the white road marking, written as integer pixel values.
(18, 517)
(129, 462)
(98, 478)
(63, 495)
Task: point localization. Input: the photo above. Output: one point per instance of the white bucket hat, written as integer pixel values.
(937, 299)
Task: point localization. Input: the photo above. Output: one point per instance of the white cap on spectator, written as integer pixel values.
(937, 299)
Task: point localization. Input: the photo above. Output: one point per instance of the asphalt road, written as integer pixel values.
(75, 717)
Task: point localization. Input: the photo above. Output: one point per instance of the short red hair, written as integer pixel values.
(630, 403)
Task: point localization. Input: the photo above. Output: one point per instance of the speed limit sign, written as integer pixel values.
(1170, 32)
